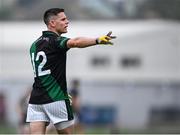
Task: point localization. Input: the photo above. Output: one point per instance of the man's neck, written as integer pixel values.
(54, 31)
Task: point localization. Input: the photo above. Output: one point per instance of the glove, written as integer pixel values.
(105, 39)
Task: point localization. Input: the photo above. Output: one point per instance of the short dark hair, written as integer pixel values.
(51, 12)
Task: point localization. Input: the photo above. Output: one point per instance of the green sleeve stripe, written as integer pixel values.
(63, 42)
(33, 48)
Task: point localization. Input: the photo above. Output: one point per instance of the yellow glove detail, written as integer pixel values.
(105, 40)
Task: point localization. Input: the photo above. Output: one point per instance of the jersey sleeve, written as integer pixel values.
(62, 43)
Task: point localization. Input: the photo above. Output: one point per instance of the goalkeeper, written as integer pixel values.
(49, 101)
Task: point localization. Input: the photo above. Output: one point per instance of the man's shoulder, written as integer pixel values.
(60, 38)
(62, 41)
(37, 40)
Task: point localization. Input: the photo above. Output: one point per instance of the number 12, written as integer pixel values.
(41, 65)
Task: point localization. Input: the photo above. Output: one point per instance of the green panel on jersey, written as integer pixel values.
(53, 88)
(62, 41)
(33, 50)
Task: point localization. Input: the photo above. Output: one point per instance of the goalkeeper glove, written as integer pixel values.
(105, 39)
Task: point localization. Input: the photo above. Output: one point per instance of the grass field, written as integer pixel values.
(4, 129)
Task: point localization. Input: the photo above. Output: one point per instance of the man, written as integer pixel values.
(75, 96)
(49, 101)
(22, 111)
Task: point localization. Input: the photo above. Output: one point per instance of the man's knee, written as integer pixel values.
(68, 130)
(65, 127)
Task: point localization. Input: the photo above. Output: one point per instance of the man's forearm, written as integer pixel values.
(81, 42)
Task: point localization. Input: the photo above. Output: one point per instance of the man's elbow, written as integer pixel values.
(74, 43)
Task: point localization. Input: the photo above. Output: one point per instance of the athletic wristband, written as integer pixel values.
(97, 42)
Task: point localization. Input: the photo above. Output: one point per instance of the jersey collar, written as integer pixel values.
(49, 33)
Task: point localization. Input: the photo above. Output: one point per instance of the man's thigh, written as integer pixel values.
(37, 118)
(61, 115)
(36, 113)
(59, 111)
(38, 127)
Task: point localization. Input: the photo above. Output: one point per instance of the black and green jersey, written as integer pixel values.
(48, 57)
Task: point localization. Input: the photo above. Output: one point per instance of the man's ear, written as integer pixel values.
(52, 23)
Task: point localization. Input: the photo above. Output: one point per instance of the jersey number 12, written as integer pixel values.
(40, 71)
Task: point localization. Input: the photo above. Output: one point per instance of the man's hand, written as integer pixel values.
(105, 39)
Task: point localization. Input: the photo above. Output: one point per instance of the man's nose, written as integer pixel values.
(67, 22)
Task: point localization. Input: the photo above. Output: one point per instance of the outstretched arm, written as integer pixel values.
(82, 42)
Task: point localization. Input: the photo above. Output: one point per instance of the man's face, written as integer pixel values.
(60, 23)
